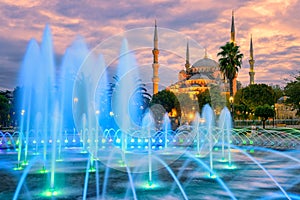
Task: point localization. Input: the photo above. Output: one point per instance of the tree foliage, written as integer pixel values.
(230, 61)
(278, 92)
(213, 97)
(203, 98)
(138, 102)
(4, 109)
(264, 112)
(167, 99)
(218, 101)
(292, 90)
(252, 96)
(186, 103)
(242, 111)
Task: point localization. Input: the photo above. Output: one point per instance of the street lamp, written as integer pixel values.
(231, 106)
(111, 113)
(274, 114)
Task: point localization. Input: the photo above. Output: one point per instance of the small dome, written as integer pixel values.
(282, 99)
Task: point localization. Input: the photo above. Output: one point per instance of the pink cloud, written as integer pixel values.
(273, 24)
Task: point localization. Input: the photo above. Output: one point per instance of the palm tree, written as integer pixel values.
(230, 62)
(139, 100)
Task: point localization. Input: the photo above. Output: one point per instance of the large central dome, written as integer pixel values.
(206, 64)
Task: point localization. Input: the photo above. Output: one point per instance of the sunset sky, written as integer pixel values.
(274, 25)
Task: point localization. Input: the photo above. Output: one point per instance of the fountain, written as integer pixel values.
(79, 139)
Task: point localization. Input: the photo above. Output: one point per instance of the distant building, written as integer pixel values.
(283, 110)
(200, 76)
(197, 78)
(194, 80)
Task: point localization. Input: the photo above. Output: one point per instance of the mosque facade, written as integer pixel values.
(200, 76)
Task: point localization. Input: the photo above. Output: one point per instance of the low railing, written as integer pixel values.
(276, 123)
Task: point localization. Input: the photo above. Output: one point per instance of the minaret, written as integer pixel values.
(187, 59)
(232, 39)
(155, 64)
(251, 62)
(232, 33)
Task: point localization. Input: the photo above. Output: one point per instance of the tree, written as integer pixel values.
(168, 100)
(278, 92)
(292, 90)
(264, 112)
(230, 62)
(186, 103)
(142, 93)
(162, 102)
(252, 96)
(138, 102)
(4, 109)
(15, 106)
(242, 111)
(203, 98)
(213, 97)
(218, 101)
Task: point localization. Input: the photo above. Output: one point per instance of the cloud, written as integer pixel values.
(273, 25)
(22, 4)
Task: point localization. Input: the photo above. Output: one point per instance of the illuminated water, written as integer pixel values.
(245, 180)
(90, 144)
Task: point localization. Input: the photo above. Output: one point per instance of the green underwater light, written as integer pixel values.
(230, 167)
(92, 169)
(223, 160)
(83, 151)
(212, 176)
(18, 168)
(25, 162)
(123, 165)
(51, 192)
(198, 155)
(150, 185)
(43, 171)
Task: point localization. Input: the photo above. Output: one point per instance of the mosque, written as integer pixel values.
(199, 76)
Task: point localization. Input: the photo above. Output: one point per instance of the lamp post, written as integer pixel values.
(273, 107)
(275, 115)
(231, 106)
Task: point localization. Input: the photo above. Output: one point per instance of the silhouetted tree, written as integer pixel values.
(168, 100)
(230, 62)
(264, 112)
(292, 90)
(203, 98)
(4, 109)
(252, 96)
